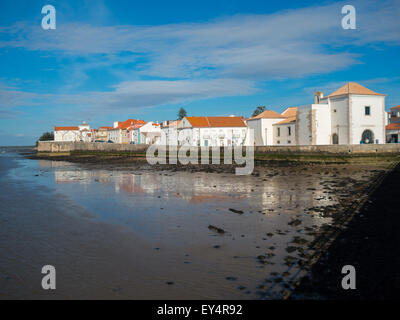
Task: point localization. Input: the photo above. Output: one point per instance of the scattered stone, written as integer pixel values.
(216, 229)
(231, 278)
(236, 211)
(294, 223)
(291, 249)
(299, 240)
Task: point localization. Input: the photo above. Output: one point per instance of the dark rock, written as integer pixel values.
(231, 278)
(216, 229)
(236, 211)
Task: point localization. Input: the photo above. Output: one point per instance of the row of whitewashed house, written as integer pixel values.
(352, 114)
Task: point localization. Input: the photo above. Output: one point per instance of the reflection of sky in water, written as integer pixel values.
(141, 199)
(174, 209)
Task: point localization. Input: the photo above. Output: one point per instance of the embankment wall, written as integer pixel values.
(55, 146)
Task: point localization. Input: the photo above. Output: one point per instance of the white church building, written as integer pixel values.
(78, 133)
(352, 114)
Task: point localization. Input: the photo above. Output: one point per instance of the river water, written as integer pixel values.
(143, 234)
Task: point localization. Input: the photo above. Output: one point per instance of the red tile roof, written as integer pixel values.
(173, 123)
(393, 126)
(204, 122)
(268, 114)
(290, 112)
(65, 128)
(289, 120)
(138, 125)
(106, 128)
(353, 88)
(396, 107)
(128, 123)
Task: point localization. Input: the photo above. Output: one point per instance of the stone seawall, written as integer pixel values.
(54, 147)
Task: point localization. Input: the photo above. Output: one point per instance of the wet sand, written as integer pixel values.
(119, 231)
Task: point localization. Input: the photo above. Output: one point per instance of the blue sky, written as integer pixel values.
(113, 60)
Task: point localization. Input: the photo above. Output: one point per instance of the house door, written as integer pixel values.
(367, 136)
(206, 143)
(335, 139)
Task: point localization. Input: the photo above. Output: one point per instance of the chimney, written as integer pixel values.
(318, 96)
(115, 124)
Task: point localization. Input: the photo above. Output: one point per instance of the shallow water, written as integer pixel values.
(126, 233)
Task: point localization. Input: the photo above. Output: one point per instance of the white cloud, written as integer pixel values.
(224, 57)
(135, 94)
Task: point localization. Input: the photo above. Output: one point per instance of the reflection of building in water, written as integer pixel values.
(52, 164)
(188, 187)
(128, 182)
(79, 176)
(73, 174)
(291, 192)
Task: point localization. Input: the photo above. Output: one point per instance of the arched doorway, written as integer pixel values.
(367, 136)
(335, 139)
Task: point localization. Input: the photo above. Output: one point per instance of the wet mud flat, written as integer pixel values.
(370, 243)
(114, 230)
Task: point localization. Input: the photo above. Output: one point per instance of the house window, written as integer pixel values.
(289, 142)
(279, 132)
(367, 111)
(289, 131)
(278, 141)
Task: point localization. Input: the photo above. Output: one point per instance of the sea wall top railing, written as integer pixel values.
(67, 146)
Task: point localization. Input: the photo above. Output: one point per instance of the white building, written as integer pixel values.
(393, 126)
(148, 133)
(263, 126)
(352, 114)
(85, 132)
(101, 133)
(212, 131)
(169, 132)
(120, 133)
(284, 132)
(72, 133)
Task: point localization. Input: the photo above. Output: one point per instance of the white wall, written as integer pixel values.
(66, 135)
(313, 125)
(322, 117)
(212, 136)
(340, 118)
(284, 139)
(114, 135)
(263, 130)
(360, 122)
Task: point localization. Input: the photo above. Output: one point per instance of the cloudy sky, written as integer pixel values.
(113, 60)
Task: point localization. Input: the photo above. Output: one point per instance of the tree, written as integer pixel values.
(259, 109)
(47, 136)
(181, 114)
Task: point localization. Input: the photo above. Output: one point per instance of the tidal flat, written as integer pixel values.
(120, 231)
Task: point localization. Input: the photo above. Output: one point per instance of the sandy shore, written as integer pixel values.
(216, 234)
